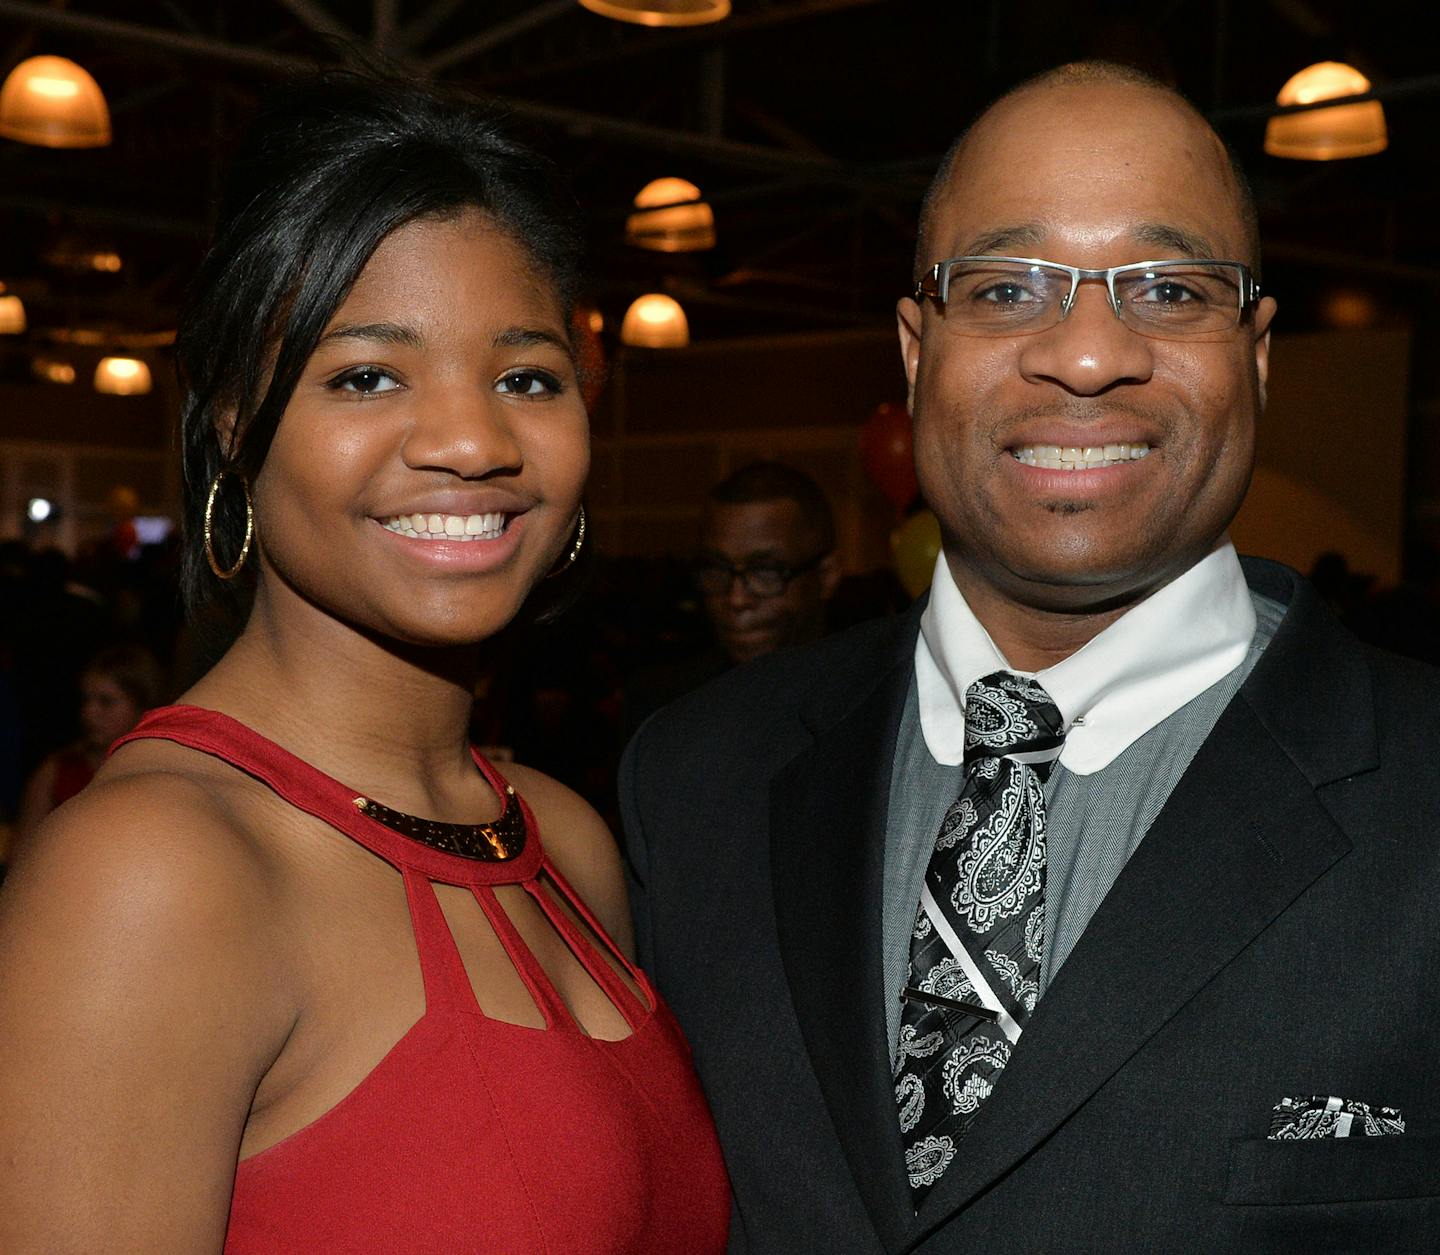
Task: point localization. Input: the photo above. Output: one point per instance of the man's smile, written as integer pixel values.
(1052, 457)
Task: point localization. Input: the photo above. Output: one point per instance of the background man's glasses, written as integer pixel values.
(1013, 296)
(763, 579)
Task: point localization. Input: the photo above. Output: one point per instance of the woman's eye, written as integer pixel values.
(364, 379)
(529, 383)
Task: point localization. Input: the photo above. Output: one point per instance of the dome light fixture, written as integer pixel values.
(661, 12)
(122, 377)
(1353, 130)
(12, 315)
(52, 370)
(54, 103)
(655, 321)
(671, 217)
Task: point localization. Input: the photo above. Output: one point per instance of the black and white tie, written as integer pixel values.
(980, 931)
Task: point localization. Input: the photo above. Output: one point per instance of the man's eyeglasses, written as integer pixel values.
(761, 579)
(1016, 296)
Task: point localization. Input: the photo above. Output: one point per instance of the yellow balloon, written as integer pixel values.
(914, 546)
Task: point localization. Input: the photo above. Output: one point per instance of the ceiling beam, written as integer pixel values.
(384, 23)
(653, 42)
(1353, 263)
(200, 46)
(319, 19)
(108, 215)
(1399, 89)
(502, 32)
(419, 29)
(725, 152)
(574, 122)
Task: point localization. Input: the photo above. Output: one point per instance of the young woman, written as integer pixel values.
(118, 685)
(299, 971)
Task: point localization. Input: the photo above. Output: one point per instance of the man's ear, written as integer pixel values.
(829, 570)
(1264, 316)
(907, 318)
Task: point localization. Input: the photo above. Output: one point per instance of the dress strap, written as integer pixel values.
(537, 981)
(447, 984)
(308, 789)
(620, 994)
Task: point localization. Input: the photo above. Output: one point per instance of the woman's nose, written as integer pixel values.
(466, 432)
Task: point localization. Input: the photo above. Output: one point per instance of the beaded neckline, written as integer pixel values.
(496, 842)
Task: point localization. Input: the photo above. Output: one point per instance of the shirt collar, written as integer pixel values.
(1140, 670)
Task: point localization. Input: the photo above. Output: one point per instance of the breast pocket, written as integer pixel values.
(1263, 1172)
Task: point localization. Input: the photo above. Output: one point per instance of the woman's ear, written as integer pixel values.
(224, 424)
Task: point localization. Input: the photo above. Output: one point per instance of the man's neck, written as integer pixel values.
(1033, 637)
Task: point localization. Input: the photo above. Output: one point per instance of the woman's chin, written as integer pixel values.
(449, 626)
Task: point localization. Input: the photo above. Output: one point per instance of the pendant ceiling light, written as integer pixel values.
(1353, 130)
(122, 377)
(671, 217)
(54, 103)
(12, 316)
(52, 370)
(661, 12)
(655, 321)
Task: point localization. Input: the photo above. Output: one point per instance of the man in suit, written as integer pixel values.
(1174, 992)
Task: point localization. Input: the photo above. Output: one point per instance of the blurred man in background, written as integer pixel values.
(765, 568)
(767, 562)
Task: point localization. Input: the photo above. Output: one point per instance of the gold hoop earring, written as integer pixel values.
(229, 573)
(574, 552)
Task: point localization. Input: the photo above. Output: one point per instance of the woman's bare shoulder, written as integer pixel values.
(155, 838)
(146, 993)
(581, 845)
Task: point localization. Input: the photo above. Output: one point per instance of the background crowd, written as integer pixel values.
(565, 698)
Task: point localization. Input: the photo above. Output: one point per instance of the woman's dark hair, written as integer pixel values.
(133, 670)
(331, 166)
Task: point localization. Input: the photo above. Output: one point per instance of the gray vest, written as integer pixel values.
(1094, 822)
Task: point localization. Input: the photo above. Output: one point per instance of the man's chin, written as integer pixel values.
(746, 646)
(1094, 583)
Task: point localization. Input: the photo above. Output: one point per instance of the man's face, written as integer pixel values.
(1092, 175)
(761, 534)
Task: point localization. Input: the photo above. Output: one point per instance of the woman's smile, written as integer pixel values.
(448, 526)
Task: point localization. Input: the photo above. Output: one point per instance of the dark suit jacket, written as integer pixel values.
(1276, 934)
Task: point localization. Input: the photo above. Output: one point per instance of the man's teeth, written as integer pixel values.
(1054, 457)
(448, 526)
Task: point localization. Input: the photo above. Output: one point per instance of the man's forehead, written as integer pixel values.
(753, 525)
(1108, 162)
(1159, 239)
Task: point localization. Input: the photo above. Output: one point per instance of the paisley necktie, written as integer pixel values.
(980, 930)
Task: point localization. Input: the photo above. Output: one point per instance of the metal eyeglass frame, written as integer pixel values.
(935, 282)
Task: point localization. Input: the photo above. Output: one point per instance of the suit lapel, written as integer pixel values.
(827, 825)
(1242, 835)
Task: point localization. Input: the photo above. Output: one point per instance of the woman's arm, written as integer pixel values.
(139, 1009)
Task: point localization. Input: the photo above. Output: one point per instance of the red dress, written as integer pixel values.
(72, 773)
(475, 1134)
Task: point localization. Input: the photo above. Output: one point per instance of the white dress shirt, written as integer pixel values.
(1137, 672)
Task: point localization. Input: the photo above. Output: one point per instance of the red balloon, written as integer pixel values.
(887, 453)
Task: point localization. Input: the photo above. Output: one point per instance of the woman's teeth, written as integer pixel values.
(1054, 457)
(448, 526)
